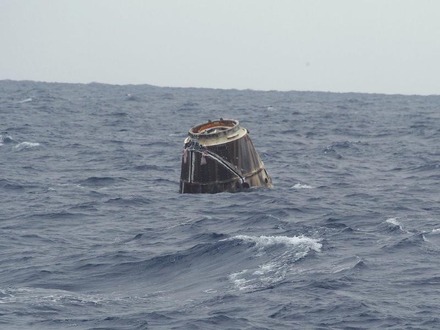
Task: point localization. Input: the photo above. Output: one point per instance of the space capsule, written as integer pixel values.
(219, 156)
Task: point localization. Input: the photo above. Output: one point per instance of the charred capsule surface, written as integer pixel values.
(220, 156)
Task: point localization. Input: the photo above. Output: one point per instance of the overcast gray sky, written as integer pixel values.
(373, 46)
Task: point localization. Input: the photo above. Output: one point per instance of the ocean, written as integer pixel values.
(95, 235)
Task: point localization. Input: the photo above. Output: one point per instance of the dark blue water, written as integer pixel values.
(94, 235)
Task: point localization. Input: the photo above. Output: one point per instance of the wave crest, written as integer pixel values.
(262, 242)
(277, 256)
(26, 145)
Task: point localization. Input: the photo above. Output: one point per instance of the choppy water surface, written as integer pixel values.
(93, 232)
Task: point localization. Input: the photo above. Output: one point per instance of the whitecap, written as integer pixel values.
(436, 231)
(264, 276)
(239, 279)
(210, 291)
(51, 296)
(276, 257)
(394, 222)
(301, 186)
(5, 139)
(25, 100)
(266, 241)
(26, 145)
(265, 268)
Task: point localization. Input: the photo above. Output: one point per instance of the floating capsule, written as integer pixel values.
(219, 156)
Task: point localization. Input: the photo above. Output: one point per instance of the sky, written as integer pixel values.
(369, 46)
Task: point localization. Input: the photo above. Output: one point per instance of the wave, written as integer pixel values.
(95, 181)
(301, 186)
(26, 146)
(247, 262)
(432, 237)
(331, 151)
(350, 146)
(414, 240)
(262, 242)
(35, 297)
(67, 309)
(135, 200)
(394, 224)
(434, 166)
(278, 255)
(62, 214)
(7, 184)
(349, 264)
(149, 167)
(5, 139)
(25, 100)
(334, 224)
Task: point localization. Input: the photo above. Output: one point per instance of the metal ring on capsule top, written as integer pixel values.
(215, 129)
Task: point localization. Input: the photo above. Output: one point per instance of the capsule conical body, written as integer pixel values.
(219, 156)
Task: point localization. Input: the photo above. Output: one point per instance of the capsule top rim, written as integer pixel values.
(215, 129)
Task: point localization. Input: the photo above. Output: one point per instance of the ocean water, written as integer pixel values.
(94, 234)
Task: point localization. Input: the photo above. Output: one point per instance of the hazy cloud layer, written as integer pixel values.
(383, 46)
